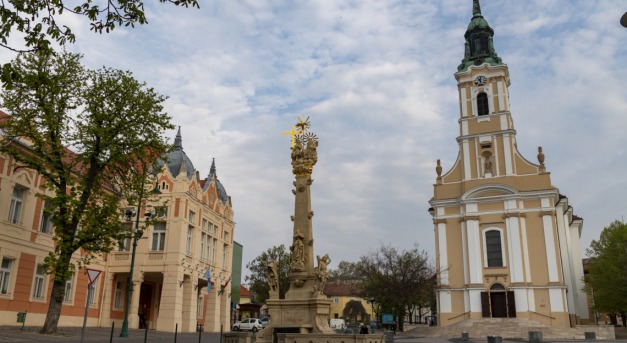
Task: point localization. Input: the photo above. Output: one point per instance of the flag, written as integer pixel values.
(208, 277)
(224, 286)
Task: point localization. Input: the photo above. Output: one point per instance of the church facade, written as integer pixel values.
(507, 242)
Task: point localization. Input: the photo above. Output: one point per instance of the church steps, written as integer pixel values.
(508, 328)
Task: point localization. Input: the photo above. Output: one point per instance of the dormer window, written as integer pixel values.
(482, 104)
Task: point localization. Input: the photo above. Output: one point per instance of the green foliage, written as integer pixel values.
(258, 278)
(39, 21)
(354, 310)
(607, 275)
(396, 279)
(91, 135)
(346, 272)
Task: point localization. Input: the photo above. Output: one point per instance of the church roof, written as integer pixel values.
(479, 47)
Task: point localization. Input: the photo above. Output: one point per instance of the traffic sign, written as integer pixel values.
(92, 274)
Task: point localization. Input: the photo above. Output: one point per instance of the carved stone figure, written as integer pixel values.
(488, 165)
(322, 275)
(273, 279)
(298, 252)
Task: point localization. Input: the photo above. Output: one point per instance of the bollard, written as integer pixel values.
(112, 327)
(146, 333)
(591, 336)
(495, 339)
(464, 336)
(535, 336)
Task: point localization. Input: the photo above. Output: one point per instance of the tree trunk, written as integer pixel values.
(624, 318)
(54, 310)
(56, 297)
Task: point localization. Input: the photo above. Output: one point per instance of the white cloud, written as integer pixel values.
(376, 77)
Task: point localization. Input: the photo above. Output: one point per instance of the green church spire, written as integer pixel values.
(479, 47)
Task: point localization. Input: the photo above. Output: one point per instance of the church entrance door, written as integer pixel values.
(498, 304)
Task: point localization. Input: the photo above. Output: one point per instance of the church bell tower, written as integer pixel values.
(507, 242)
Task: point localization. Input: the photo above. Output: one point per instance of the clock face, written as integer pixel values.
(481, 80)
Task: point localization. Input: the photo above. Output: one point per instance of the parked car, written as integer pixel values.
(337, 324)
(248, 324)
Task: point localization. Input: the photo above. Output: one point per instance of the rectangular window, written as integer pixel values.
(124, 244)
(190, 236)
(336, 300)
(204, 224)
(202, 245)
(226, 236)
(493, 248)
(158, 237)
(213, 251)
(207, 247)
(67, 294)
(46, 218)
(215, 230)
(224, 255)
(191, 217)
(91, 296)
(17, 200)
(199, 307)
(5, 275)
(38, 284)
(119, 291)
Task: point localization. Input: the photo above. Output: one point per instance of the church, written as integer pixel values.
(507, 241)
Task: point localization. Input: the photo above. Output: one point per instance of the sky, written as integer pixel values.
(377, 80)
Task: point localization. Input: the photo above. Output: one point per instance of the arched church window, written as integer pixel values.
(497, 287)
(494, 249)
(482, 104)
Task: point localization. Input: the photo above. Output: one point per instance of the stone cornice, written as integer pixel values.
(514, 214)
(466, 218)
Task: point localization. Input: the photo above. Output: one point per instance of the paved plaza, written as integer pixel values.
(14, 334)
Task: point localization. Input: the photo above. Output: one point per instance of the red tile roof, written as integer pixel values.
(244, 292)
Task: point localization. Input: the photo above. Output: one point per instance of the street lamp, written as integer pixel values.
(136, 235)
(623, 20)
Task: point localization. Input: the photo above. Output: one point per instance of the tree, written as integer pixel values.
(258, 278)
(38, 21)
(114, 126)
(607, 275)
(354, 309)
(346, 272)
(395, 279)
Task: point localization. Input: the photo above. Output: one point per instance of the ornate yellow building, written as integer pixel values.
(507, 242)
(193, 233)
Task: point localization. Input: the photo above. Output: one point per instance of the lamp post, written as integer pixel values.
(623, 20)
(137, 234)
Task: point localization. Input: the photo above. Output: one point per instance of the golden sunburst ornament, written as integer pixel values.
(303, 124)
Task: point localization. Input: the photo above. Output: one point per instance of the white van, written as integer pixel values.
(337, 324)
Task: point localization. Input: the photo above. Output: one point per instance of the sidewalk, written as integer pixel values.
(14, 334)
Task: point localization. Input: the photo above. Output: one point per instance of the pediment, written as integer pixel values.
(489, 191)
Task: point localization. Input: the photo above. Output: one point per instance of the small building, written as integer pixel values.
(340, 294)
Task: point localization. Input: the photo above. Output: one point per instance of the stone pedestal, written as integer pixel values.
(302, 316)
